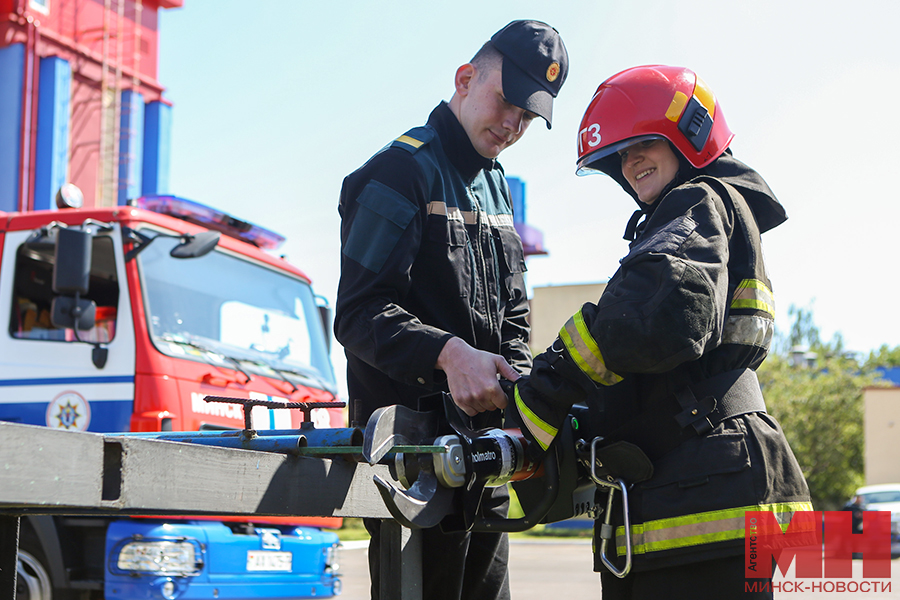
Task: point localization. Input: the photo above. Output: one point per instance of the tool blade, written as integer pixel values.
(391, 426)
(423, 505)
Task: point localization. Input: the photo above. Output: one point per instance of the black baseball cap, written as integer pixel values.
(535, 65)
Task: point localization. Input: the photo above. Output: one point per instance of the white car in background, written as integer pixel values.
(885, 496)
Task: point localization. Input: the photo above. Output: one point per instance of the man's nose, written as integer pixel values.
(515, 118)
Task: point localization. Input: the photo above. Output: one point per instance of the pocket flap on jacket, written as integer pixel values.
(697, 458)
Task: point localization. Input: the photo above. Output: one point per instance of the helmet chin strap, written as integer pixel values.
(631, 228)
(684, 167)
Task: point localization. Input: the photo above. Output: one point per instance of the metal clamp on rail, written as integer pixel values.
(305, 441)
(248, 403)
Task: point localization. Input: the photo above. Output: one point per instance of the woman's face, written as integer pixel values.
(649, 166)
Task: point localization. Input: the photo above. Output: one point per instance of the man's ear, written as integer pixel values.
(465, 75)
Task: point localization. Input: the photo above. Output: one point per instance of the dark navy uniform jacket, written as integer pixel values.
(428, 251)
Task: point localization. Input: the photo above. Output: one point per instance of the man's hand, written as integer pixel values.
(472, 376)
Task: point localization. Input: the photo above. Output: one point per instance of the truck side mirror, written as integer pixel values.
(326, 315)
(67, 312)
(71, 279)
(72, 263)
(197, 245)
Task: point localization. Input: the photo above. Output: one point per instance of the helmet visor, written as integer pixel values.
(601, 160)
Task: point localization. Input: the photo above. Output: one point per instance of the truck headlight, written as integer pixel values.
(178, 558)
(332, 559)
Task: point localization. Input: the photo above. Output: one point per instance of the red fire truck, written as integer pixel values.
(125, 319)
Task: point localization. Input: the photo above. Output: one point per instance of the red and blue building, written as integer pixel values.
(80, 101)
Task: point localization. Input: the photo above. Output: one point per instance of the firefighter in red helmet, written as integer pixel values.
(666, 358)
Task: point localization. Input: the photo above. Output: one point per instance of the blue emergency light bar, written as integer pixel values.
(211, 218)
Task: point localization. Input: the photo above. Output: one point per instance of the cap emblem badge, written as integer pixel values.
(553, 72)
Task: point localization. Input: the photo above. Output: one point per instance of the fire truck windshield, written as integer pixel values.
(225, 309)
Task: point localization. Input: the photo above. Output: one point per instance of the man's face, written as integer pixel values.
(492, 123)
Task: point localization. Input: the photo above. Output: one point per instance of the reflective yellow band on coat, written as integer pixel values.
(754, 294)
(405, 139)
(468, 217)
(700, 528)
(585, 352)
(543, 432)
(749, 330)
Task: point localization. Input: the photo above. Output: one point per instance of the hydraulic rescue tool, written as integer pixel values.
(441, 483)
(440, 466)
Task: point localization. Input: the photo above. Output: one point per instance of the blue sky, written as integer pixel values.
(276, 101)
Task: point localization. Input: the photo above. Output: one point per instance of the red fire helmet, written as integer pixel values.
(648, 102)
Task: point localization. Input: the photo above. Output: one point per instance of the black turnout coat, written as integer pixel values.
(666, 360)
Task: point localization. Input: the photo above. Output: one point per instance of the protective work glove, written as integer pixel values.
(539, 403)
(538, 416)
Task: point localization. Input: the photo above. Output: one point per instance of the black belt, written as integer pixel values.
(700, 408)
(725, 396)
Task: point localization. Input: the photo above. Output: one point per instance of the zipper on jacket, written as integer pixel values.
(489, 312)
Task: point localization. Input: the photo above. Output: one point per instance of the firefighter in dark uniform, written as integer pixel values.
(666, 358)
(432, 294)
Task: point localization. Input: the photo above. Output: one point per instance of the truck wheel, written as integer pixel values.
(32, 578)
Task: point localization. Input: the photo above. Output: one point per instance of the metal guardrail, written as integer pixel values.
(47, 471)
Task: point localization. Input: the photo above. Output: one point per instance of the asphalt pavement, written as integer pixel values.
(561, 568)
(538, 570)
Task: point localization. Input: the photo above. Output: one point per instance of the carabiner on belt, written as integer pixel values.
(607, 530)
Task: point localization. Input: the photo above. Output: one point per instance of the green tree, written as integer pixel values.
(884, 357)
(804, 332)
(815, 390)
(821, 410)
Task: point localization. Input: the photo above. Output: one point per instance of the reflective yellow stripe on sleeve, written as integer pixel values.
(749, 330)
(700, 528)
(543, 432)
(585, 352)
(754, 294)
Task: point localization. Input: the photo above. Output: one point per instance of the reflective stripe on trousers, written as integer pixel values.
(700, 528)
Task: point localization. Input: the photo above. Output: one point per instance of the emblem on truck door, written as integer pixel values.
(69, 410)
